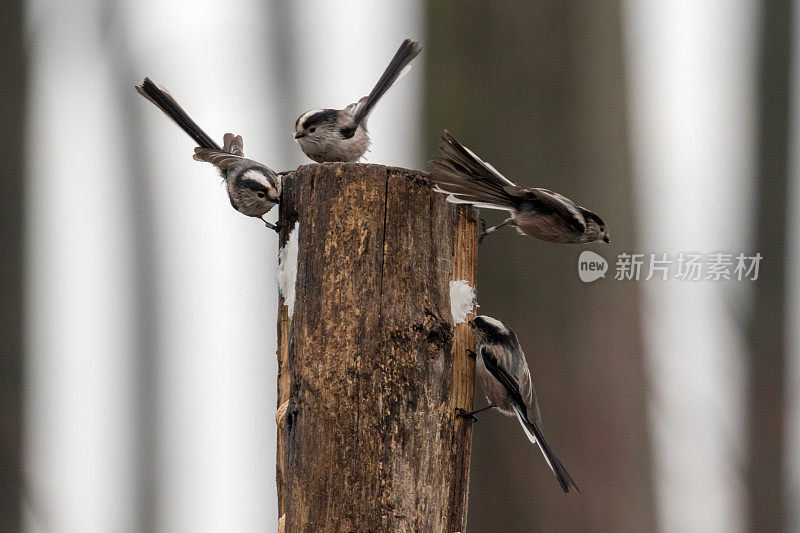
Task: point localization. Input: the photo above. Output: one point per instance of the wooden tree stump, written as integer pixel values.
(371, 367)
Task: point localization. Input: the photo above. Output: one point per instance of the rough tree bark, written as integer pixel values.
(371, 367)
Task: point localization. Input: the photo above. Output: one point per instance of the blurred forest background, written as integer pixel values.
(138, 309)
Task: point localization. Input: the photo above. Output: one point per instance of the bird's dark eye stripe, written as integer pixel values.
(328, 115)
(495, 335)
(500, 337)
(252, 185)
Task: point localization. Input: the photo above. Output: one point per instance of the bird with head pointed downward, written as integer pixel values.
(253, 189)
(503, 373)
(540, 213)
(341, 134)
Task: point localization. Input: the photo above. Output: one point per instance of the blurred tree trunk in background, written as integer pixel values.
(767, 332)
(146, 309)
(537, 88)
(12, 87)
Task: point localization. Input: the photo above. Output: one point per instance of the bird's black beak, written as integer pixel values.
(606, 238)
(299, 135)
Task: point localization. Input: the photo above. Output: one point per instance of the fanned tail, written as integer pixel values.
(166, 103)
(462, 174)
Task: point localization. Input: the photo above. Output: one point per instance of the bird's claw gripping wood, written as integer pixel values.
(461, 413)
(270, 225)
(481, 231)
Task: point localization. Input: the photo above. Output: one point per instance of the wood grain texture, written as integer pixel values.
(371, 364)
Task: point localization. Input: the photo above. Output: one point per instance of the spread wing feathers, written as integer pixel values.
(166, 103)
(233, 144)
(397, 68)
(466, 159)
(559, 204)
(531, 429)
(222, 160)
(460, 172)
(231, 153)
(535, 435)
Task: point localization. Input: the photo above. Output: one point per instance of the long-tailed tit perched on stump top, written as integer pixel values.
(341, 134)
(537, 212)
(253, 188)
(503, 373)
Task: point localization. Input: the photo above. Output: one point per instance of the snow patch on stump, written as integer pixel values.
(287, 269)
(462, 300)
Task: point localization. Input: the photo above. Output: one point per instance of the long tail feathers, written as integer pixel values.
(459, 172)
(404, 55)
(166, 103)
(453, 199)
(535, 436)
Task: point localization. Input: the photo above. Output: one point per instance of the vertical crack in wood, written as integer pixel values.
(287, 220)
(369, 365)
(283, 397)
